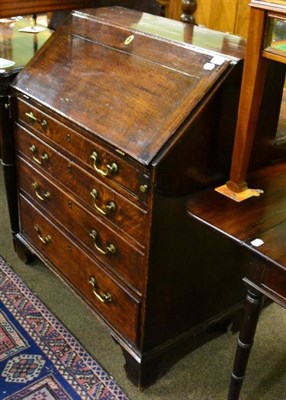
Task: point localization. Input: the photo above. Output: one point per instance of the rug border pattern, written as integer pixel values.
(98, 371)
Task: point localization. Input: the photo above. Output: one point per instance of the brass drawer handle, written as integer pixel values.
(33, 118)
(110, 207)
(42, 197)
(110, 248)
(45, 240)
(110, 169)
(43, 158)
(102, 297)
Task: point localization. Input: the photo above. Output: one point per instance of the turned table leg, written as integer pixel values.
(245, 341)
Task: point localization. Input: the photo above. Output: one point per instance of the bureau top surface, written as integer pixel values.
(128, 77)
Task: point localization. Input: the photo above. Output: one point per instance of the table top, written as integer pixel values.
(258, 223)
(16, 47)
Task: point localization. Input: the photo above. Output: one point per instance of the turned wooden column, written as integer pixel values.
(188, 8)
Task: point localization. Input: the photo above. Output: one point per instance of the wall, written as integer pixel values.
(223, 15)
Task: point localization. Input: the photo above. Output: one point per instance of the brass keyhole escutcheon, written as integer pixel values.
(44, 124)
(129, 40)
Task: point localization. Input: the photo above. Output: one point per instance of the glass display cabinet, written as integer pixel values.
(266, 42)
(275, 42)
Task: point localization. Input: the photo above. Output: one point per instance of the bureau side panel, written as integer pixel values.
(186, 285)
(192, 282)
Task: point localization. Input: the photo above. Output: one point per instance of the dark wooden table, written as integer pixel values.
(257, 228)
(19, 48)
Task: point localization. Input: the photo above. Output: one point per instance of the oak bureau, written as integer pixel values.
(118, 119)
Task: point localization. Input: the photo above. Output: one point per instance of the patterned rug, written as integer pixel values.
(39, 358)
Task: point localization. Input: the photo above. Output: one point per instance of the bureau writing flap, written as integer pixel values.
(105, 71)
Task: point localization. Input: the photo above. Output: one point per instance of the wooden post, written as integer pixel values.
(253, 79)
(251, 92)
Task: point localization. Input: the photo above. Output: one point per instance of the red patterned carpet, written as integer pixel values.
(39, 358)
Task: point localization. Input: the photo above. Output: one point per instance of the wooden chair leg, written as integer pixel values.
(245, 341)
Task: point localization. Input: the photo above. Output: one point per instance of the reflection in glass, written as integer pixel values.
(276, 36)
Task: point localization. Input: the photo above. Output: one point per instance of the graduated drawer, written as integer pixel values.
(101, 162)
(104, 243)
(126, 215)
(115, 304)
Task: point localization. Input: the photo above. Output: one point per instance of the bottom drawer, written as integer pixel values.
(115, 304)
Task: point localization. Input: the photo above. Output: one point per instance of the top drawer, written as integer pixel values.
(103, 163)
